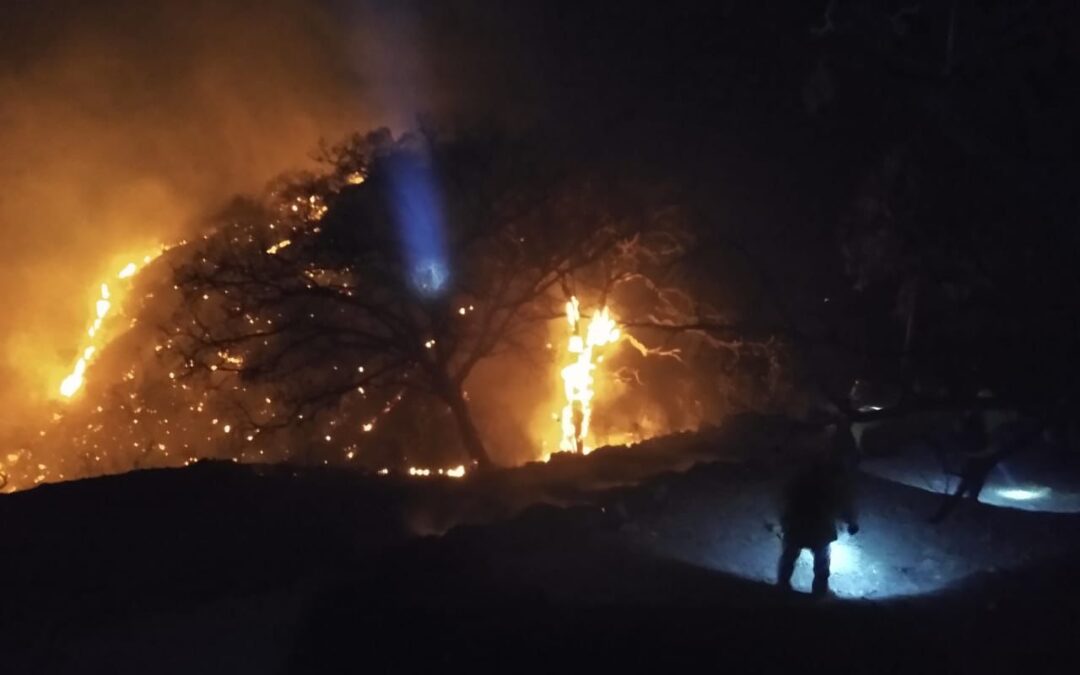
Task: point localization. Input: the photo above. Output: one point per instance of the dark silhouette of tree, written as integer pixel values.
(956, 240)
(316, 300)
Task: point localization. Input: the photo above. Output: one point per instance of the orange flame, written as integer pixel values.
(77, 377)
(578, 377)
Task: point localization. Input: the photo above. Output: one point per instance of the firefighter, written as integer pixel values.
(814, 501)
(978, 457)
(981, 455)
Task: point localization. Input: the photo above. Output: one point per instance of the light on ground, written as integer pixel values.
(843, 555)
(1024, 494)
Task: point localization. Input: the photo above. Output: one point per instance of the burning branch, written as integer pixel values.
(578, 376)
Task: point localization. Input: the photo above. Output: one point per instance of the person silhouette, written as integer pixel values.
(814, 500)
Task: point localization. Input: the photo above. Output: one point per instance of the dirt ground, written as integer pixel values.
(652, 557)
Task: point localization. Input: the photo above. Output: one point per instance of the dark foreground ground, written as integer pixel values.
(231, 569)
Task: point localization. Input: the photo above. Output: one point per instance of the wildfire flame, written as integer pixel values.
(75, 379)
(578, 377)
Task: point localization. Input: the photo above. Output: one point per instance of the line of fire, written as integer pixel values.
(366, 335)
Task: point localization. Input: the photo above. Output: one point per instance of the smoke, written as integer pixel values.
(123, 122)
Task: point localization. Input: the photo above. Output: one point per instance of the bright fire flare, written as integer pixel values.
(74, 381)
(578, 376)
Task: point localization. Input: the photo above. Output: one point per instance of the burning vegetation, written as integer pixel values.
(578, 377)
(343, 318)
(74, 381)
(851, 221)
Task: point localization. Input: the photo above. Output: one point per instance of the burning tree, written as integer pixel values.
(389, 277)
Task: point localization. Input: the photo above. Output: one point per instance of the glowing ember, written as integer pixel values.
(278, 246)
(578, 376)
(421, 472)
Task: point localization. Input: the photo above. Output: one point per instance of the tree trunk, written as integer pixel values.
(470, 437)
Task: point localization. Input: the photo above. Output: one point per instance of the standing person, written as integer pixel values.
(814, 500)
(980, 456)
(972, 444)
